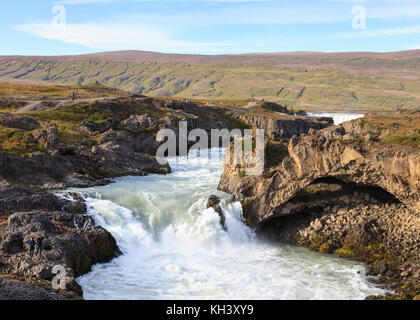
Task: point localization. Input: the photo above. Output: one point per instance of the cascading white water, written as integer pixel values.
(175, 248)
(338, 118)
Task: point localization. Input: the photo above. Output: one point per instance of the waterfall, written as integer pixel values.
(338, 118)
(175, 248)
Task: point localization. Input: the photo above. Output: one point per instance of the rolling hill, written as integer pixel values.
(306, 80)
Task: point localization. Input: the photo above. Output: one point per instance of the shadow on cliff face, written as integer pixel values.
(362, 223)
(324, 197)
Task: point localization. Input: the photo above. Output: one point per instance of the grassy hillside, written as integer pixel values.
(311, 81)
(401, 128)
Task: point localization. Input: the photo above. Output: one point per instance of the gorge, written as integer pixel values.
(175, 248)
(84, 175)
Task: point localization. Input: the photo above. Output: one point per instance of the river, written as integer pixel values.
(174, 247)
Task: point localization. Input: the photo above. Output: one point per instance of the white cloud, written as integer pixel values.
(120, 37)
(161, 31)
(108, 1)
(415, 29)
(414, 47)
(269, 12)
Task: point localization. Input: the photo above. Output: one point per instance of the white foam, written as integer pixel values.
(338, 118)
(175, 248)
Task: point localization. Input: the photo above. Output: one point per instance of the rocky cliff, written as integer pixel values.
(76, 144)
(84, 144)
(333, 152)
(278, 127)
(341, 189)
(71, 240)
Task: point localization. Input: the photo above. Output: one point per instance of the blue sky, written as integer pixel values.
(30, 27)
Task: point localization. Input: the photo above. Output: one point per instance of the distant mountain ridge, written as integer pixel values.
(310, 80)
(138, 55)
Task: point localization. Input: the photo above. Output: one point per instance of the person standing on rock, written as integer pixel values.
(39, 245)
(73, 96)
(31, 243)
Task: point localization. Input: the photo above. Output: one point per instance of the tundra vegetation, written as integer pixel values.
(310, 81)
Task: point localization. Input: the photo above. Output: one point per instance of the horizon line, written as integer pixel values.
(211, 55)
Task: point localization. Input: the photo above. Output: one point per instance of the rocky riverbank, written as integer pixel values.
(71, 240)
(78, 144)
(347, 190)
(343, 189)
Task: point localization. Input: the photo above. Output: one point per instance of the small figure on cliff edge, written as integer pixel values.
(31, 243)
(73, 96)
(39, 245)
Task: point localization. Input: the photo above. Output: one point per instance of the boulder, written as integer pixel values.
(381, 268)
(302, 113)
(362, 233)
(214, 202)
(139, 123)
(16, 198)
(317, 225)
(75, 247)
(47, 135)
(19, 290)
(18, 122)
(12, 243)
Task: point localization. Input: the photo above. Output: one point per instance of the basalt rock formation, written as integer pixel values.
(71, 240)
(214, 202)
(277, 121)
(19, 290)
(279, 127)
(341, 190)
(91, 151)
(332, 152)
(75, 145)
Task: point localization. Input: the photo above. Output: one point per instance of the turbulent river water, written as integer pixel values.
(338, 117)
(174, 247)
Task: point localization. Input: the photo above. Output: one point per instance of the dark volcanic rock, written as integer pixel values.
(136, 123)
(18, 290)
(363, 233)
(72, 241)
(71, 237)
(18, 122)
(119, 160)
(340, 190)
(214, 202)
(47, 135)
(36, 169)
(277, 128)
(302, 113)
(15, 198)
(381, 268)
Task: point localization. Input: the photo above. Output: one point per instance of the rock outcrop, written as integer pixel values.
(16, 198)
(19, 290)
(214, 202)
(18, 122)
(47, 135)
(71, 240)
(340, 190)
(71, 155)
(281, 127)
(137, 123)
(332, 152)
